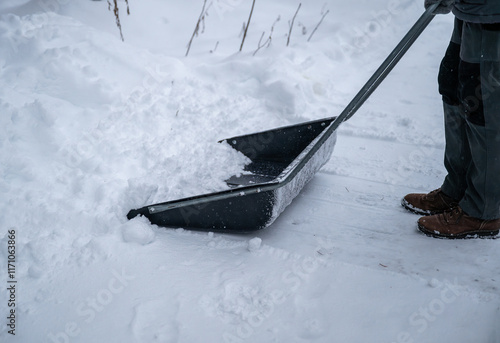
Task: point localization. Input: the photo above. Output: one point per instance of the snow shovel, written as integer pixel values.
(283, 160)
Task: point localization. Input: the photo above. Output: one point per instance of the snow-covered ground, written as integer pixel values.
(92, 126)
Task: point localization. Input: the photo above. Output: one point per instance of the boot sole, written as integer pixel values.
(407, 206)
(467, 235)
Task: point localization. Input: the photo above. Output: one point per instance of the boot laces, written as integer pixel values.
(453, 215)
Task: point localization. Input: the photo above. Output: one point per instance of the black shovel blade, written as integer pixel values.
(282, 161)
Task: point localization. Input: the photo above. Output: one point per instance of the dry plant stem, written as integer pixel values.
(117, 15)
(197, 27)
(267, 43)
(323, 17)
(260, 45)
(291, 25)
(248, 24)
(215, 48)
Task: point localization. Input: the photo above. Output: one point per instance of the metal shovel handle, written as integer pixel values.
(386, 67)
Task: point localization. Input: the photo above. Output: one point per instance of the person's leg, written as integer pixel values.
(456, 157)
(478, 212)
(479, 96)
(457, 153)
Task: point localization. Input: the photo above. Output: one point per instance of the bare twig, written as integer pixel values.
(260, 45)
(215, 48)
(116, 12)
(197, 27)
(267, 43)
(247, 25)
(323, 17)
(291, 25)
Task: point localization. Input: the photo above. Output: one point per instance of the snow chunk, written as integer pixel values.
(254, 244)
(434, 283)
(138, 230)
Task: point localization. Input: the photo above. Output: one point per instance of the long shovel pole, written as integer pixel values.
(381, 73)
(387, 66)
(377, 78)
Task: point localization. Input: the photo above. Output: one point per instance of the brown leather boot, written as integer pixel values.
(428, 204)
(456, 223)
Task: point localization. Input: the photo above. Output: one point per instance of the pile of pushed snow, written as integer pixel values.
(93, 127)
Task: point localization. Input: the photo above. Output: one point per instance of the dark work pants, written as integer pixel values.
(469, 81)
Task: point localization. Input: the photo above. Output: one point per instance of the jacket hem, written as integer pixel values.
(476, 18)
